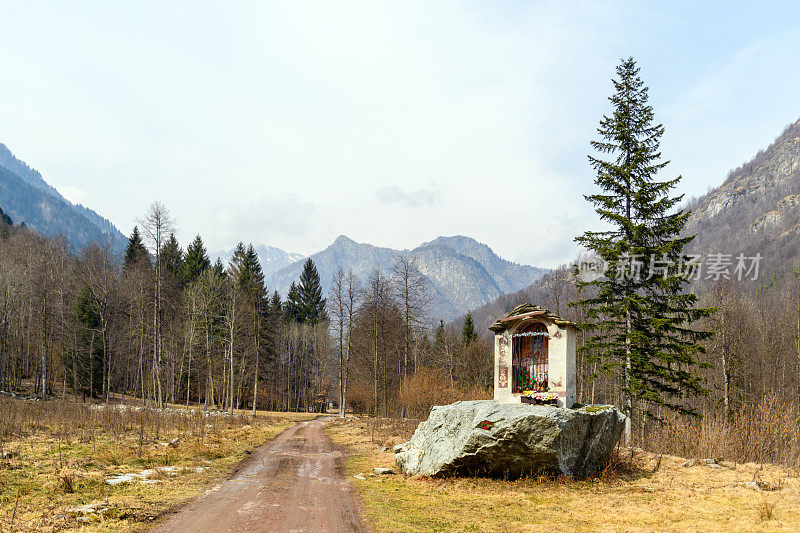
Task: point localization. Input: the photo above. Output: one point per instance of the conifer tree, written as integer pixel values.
(236, 266)
(135, 250)
(292, 307)
(5, 219)
(172, 257)
(310, 294)
(438, 342)
(255, 274)
(640, 320)
(247, 273)
(275, 304)
(195, 261)
(468, 333)
(247, 269)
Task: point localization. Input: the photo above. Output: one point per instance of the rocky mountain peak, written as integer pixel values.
(343, 240)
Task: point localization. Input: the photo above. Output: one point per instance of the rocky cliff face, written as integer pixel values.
(461, 272)
(771, 171)
(756, 209)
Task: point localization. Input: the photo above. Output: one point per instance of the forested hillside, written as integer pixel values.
(27, 198)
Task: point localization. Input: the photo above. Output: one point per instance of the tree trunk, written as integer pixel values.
(43, 360)
(375, 333)
(628, 400)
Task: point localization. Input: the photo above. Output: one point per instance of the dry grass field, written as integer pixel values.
(651, 494)
(59, 455)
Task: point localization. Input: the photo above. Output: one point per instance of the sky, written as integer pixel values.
(290, 123)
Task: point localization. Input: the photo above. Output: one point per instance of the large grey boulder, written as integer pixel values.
(500, 439)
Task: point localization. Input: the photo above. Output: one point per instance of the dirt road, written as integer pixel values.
(294, 483)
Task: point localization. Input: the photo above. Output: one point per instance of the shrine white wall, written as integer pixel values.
(502, 369)
(561, 365)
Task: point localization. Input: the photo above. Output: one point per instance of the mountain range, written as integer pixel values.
(28, 198)
(461, 273)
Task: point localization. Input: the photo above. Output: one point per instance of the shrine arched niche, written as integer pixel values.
(529, 358)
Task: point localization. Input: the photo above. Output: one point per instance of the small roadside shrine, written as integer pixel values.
(534, 357)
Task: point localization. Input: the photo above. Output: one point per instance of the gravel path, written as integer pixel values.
(293, 483)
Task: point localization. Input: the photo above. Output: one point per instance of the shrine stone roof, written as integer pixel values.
(528, 311)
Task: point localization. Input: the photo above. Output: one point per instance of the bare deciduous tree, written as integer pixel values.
(157, 225)
(411, 291)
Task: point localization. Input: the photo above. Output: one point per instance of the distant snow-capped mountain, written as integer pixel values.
(271, 258)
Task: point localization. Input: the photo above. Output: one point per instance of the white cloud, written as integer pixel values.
(270, 219)
(420, 198)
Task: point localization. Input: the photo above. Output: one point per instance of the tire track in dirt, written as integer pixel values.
(293, 483)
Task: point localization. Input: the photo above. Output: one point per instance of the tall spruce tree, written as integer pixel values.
(251, 279)
(172, 258)
(255, 274)
(275, 303)
(246, 273)
(247, 270)
(195, 261)
(293, 307)
(468, 333)
(640, 321)
(310, 292)
(135, 250)
(236, 267)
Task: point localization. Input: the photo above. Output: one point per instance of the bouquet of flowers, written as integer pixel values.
(545, 396)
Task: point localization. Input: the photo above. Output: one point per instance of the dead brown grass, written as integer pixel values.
(766, 432)
(651, 493)
(61, 455)
(428, 387)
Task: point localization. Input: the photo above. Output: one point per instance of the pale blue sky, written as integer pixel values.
(291, 123)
